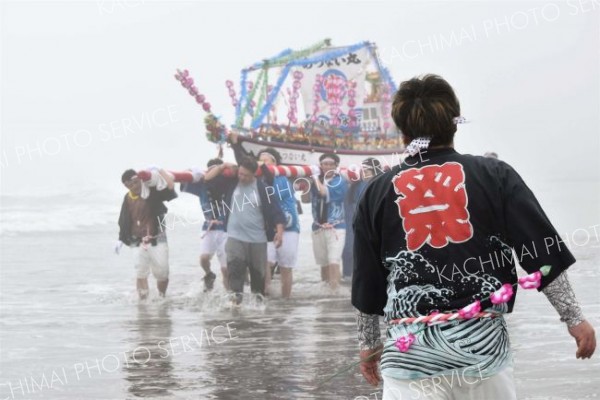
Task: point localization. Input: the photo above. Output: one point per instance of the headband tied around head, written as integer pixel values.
(269, 154)
(422, 143)
(328, 159)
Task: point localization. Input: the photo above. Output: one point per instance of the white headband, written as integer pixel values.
(269, 154)
(328, 159)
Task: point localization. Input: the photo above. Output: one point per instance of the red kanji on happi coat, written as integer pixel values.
(433, 205)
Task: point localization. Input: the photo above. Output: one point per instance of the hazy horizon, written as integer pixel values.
(90, 85)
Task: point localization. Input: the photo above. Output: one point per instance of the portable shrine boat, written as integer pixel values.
(308, 102)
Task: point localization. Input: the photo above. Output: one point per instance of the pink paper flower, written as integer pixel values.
(471, 310)
(403, 343)
(531, 281)
(502, 295)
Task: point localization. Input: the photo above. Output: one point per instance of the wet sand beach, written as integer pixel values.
(70, 315)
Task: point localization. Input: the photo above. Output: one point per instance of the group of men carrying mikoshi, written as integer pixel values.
(411, 223)
(251, 221)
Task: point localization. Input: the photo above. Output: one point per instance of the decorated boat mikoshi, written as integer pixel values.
(308, 102)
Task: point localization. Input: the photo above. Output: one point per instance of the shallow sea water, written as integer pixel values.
(73, 328)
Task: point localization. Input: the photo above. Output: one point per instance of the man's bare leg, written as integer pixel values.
(325, 273)
(334, 275)
(287, 278)
(142, 287)
(209, 276)
(205, 262)
(225, 274)
(162, 287)
(268, 277)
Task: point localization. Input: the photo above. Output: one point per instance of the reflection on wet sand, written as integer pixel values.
(149, 368)
(283, 355)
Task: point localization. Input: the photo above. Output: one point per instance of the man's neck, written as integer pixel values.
(443, 146)
(247, 184)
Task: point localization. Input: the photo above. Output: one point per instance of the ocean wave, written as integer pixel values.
(74, 210)
(27, 219)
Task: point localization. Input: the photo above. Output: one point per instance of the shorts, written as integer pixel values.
(241, 257)
(287, 254)
(214, 242)
(153, 258)
(328, 245)
(500, 386)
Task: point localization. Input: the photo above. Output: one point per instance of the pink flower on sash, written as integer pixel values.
(403, 343)
(502, 295)
(531, 281)
(471, 310)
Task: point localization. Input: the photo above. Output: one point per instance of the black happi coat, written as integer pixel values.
(442, 229)
(438, 234)
(157, 208)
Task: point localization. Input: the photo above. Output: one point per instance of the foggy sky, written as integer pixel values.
(74, 73)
